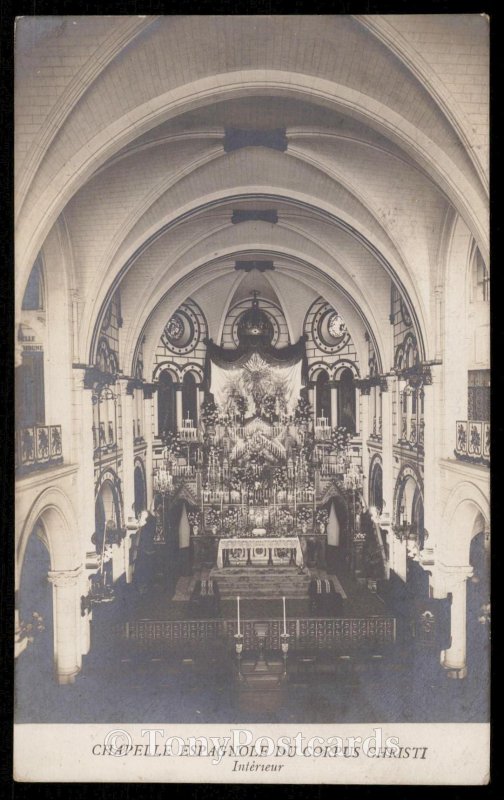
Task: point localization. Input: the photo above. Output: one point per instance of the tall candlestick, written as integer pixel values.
(238, 612)
(285, 619)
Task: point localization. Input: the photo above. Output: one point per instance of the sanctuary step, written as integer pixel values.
(265, 582)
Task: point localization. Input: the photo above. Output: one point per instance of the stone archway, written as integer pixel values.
(34, 614)
(53, 517)
(467, 515)
(478, 606)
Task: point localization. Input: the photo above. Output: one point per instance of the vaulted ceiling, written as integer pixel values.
(130, 163)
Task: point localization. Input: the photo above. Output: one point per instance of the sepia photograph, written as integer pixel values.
(252, 398)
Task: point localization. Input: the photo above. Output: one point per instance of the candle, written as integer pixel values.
(238, 612)
(285, 620)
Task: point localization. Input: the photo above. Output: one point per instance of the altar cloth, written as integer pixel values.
(260, 544)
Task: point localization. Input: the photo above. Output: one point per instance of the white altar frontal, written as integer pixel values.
(259, 551)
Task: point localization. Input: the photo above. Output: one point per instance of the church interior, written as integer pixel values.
(252, 369)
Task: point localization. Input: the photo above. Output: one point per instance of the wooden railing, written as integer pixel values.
(38, 447)
(342, 634)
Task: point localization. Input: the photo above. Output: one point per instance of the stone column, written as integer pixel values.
(432, 444)
(455, 583)
(179, 408)
(200, 397)
(334, 403)
(127, 450)
(67, 623)
(357, 412)
(83, 454)
(149, 413)
(312, 398)
(365, 431)
(387, 384)
(399, 551)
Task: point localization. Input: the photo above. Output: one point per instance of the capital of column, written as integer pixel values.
(364, 387)
(64, 577)
(149, 389)
(454, 574)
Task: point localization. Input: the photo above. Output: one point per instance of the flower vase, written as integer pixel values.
(322, 527)
(214, 529)
(304, 527)
(195, 530)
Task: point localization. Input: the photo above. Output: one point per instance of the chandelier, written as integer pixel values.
(163, 480)
(353, 478)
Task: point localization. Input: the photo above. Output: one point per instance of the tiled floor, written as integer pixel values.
(166, 690)
(121, 684)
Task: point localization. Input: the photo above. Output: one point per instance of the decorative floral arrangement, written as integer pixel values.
(213, 517)
(280, 479)
(172, 442)
(236, 479)
(303, 412)
(230, 518)
(340, 438)
(209, 412)
(285, 518)
(27, 630)
(241, 405)
(194, 518)
(309, 484)
(322, 516)
(268, 405)
(108, 553)
(304, 515)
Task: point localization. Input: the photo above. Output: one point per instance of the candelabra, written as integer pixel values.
(284, 639)
(239, 649)
(353, 479)
(163, 480)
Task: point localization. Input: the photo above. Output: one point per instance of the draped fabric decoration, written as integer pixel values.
(333, 528)
(272, 355)
(184, 529)
(266, 387)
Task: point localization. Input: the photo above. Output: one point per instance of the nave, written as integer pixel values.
(138, 675)
(252, 368)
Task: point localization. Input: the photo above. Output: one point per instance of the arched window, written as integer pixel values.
(346, 400)
(106, 512)
(376, 493)
(189, 398)
(140, 495)
(33, 299)
(167, 420)
(480, 279)
(30, 401)
(323, 395)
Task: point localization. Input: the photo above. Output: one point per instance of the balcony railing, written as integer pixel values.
(472, 439)
(412, 430)
(38, 447)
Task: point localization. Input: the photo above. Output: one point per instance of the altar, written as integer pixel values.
(260, 550)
